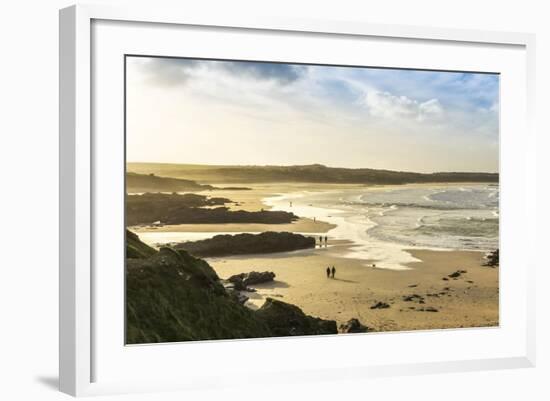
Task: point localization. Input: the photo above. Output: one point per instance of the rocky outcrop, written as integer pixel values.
(354, 326)
(243, 280)
(194, 209)
(241, 244)
(288, 320)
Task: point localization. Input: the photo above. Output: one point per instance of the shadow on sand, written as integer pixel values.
(271, 284)
(344, 280)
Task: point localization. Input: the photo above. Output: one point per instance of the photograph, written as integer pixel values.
(273, 199)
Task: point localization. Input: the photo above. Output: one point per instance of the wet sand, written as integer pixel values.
(301, 225)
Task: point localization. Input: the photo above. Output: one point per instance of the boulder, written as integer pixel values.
(243, 280)
(288, 320)
(380, 305)
(428, 309)
(457, 273)
(414, 298)
(492, 259)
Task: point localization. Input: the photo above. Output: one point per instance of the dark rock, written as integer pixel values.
(288, 320)
(194, 209)
(241, 244)
(427, 309)
(380, 305)
(413, 298)
(243, 280)
(492, 259)
(354, 326)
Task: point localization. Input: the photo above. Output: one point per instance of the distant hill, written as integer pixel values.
(150, 182)
(315, 173)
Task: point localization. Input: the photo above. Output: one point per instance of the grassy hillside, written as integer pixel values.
(316, 173)
(135, 249)
(175, 297)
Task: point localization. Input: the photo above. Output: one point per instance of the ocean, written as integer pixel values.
(382, 222)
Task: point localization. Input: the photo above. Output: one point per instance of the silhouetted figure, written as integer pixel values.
(333, 271)
(326, 240)
(328, 272)
(320, 241)
(291, 204)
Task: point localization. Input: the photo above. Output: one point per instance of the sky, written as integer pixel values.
(255, 113)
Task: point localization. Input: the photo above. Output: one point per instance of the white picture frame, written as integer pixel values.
(79, 345)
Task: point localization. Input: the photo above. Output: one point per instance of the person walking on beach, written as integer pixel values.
(328, 272)
(333, 271)
(320, 241)
(326, 240)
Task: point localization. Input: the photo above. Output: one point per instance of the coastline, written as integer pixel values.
(468, 301)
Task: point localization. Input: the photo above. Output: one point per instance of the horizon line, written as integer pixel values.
(312, 164)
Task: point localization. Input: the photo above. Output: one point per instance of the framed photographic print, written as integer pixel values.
(299, 190)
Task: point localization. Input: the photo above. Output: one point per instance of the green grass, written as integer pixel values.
(176, 297)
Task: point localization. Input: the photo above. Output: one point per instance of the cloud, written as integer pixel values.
(178, 71)
(283, 73)
(429, 109)
(389, 106)
(165, 71)
(193, 104)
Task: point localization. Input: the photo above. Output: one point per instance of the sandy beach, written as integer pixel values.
(470, 300)
(420, 296)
